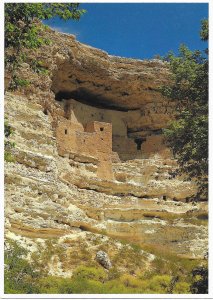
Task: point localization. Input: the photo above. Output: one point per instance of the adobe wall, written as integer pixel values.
(66, 136)
(122, 142)
(94, 141)
(85, 114)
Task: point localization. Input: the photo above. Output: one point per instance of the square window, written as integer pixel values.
(101, 129)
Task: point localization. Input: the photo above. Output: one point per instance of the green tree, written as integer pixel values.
(200, 280)
(188, 134)
(23, 31)
(20, 29)
(19, 275)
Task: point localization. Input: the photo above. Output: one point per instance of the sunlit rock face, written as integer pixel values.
(90, 154)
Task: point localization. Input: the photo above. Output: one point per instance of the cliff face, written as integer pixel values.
(90, 154)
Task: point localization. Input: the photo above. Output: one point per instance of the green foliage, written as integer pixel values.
(130, 257)
(19, 275)
(160, 283)
(200, 280)
(8, 156)
(38, 67)
(188, 134)
(7, 129)
(55, 285)
(18, 82)
(181, 288)
(22, 30)
(113, 273)
(8, 145)
(82, 273)
(204, 33)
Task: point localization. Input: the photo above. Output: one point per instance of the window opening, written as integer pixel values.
(139, 143)
(65, 131)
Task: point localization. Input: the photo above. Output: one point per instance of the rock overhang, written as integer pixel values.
(92, 76)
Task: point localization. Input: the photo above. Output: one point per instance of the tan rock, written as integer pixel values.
(94, 160)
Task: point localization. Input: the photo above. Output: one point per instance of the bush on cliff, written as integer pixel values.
(23, 31)
(20, 276)
(188, 134)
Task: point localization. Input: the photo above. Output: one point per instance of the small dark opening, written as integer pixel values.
(139, 143)
(45, 111)
(65, 131)
(164, 197)
(101, 129)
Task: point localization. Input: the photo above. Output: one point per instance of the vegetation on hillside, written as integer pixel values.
(188, 134)
(24, 276)
(8, 145)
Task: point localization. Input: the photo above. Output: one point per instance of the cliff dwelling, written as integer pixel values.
(106, 135)
(90, 158)
(115, 93)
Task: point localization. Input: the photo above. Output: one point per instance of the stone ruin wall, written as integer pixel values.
(103, 134)
(94, 141)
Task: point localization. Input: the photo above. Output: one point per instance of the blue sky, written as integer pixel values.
(137, 30)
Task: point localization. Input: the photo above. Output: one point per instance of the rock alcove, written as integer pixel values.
(93, 158)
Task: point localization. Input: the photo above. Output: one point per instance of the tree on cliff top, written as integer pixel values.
(19, 17)
(188, 134)
(22, 31)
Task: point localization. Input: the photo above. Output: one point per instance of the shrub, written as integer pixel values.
(113, 273)
(82, 273)
(160, 283)
(181, 288)
(19, 276)
(18, 82)
(200, 280)
(130, 281)
(50, 285)
(8, 145)
(115, 287)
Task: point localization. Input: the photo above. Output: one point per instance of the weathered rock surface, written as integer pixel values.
(46, 197)
(51, 195)
(103, 259)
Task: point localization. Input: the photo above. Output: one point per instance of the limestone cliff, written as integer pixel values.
(90, 154)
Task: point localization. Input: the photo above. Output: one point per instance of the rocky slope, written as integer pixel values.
(52, 196)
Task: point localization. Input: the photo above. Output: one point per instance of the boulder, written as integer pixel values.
(103, 259)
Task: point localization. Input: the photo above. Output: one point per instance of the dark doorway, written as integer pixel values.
(139, 143)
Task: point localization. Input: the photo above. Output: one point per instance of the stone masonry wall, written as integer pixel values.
(95, 141)
(124, 142)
